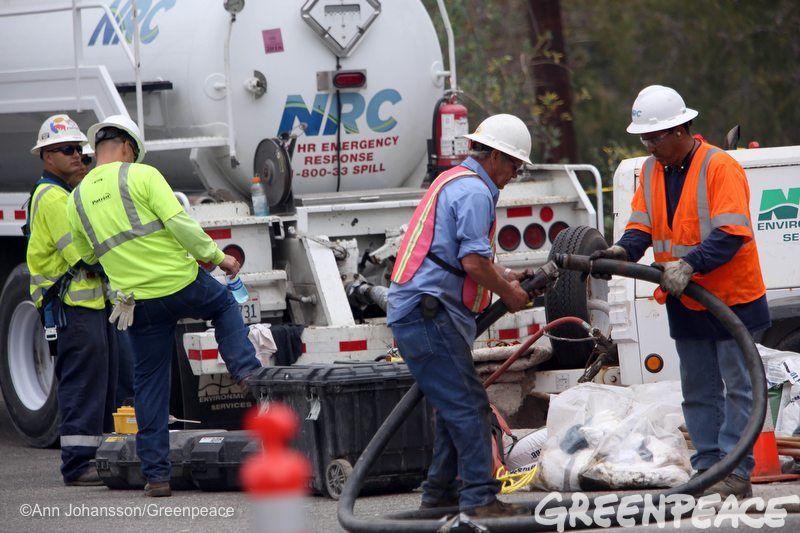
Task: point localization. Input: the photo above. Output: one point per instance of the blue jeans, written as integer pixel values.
(717, 399)
(441, 362)
(86, 372)
(153, 338)
(126, 358)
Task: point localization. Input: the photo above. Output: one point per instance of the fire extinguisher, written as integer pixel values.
(447, 147)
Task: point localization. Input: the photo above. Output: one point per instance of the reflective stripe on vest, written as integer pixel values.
(137, 228)
(35, 203)
(703, 210)
(419, 237)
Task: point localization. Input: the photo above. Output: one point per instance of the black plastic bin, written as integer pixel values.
(215, 460)
(341, 407)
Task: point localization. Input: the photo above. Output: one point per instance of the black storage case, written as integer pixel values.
(215, 460)
(119, 465)
(341, 407)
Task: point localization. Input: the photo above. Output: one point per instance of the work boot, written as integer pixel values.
(497, 509)
(88, 478)
(157, 489)
(733, 484)
(446, 502)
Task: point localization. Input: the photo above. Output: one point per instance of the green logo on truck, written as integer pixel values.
(779, 209)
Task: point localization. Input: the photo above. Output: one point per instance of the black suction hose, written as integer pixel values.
(430, 520)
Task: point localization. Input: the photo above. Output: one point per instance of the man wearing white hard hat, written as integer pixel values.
(70, 296)
(443, 276)
(125, 215)
(692, 207)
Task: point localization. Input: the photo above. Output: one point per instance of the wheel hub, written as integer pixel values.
(29, 361)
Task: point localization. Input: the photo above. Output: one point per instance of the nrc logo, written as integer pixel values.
(353, 106)
(779, 205)
(636, 113)
(148, 9)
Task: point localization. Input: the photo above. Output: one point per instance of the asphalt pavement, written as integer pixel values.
(33, 499)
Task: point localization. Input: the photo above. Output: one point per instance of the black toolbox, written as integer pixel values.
(341, 407)
(119, 465)
(215, 460)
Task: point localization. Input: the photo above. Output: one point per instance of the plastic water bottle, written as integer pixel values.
(260, 205)
(238, 289)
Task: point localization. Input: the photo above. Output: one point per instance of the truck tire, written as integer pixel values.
(27, 376)
(570, 296)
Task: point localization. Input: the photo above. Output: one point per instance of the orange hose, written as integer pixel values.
(529, 341)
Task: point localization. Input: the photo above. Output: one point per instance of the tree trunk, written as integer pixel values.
(545, 17)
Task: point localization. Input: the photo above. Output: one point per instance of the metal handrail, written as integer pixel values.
(598, 181)
(451, 47)
(77, 31)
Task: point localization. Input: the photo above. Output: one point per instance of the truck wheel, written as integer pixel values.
(26, 368)
(336, 474)
(573, 296)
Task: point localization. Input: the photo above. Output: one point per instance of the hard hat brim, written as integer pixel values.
(683, 118)
(477, 137)
(80, 139)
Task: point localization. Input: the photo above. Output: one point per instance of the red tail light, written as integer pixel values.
(509, 238)
(349, 79)
(235, 252)
(555, 229)
(546, 213)
(535, 236)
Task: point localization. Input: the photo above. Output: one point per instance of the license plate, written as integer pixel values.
(251, 311)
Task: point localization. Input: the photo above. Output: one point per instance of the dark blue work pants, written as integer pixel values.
(86, 371)
(153, 337)
(441, 362)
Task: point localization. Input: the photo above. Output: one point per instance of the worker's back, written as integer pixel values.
(121, 208)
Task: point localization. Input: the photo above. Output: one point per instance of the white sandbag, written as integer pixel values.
(780, 366)
(526, 450)
(789, 414)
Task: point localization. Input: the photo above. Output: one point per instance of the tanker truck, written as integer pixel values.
(342, 108)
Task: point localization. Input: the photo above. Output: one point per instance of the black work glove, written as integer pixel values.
(615, 252)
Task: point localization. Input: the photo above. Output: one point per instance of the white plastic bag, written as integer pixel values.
(603, 436)
(789, 415)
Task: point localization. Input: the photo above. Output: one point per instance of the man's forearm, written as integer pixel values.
(485, 273)
(192, 237)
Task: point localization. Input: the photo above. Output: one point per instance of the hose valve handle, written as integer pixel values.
(542, 279)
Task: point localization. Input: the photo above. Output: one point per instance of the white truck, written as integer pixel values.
(329, 101)
(646, 352)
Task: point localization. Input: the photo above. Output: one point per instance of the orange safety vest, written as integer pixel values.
(715, 195)
(419, 236)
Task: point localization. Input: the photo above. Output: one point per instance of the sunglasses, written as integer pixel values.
(68, 150)
(518, 165)
(86, 160)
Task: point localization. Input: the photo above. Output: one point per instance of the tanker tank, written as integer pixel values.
(382, 143)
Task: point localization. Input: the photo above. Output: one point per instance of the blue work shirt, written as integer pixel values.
(465, 212)
(715, 250)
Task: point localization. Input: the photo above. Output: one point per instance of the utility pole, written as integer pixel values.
(545, 18)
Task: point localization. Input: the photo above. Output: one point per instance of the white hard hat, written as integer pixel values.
(124, 123)
(658, 108)
(58, 129)
(505, 133)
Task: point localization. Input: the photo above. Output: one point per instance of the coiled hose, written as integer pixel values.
(430, 520)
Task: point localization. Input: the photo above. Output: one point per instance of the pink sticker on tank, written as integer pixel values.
(273, 41)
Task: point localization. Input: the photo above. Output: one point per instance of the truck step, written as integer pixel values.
(185, 143)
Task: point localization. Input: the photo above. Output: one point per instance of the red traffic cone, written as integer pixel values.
(277, 478)
(765, 452)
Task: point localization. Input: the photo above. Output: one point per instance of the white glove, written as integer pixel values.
(122, 312)
(676, 276)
